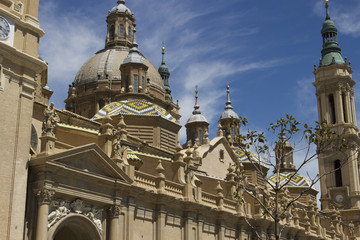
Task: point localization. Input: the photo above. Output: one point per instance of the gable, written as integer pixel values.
(217, 158)
(91, 159)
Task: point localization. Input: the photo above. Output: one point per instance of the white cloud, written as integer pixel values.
(347, 19)
(69, 41)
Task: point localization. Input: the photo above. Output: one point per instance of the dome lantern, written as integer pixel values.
(229, 120)
(197, 125)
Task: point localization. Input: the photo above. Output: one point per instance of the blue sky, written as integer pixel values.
(265, 50)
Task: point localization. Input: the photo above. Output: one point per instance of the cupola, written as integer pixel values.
(133, 70)
(120, 22)
(229, 120)
(197, 125)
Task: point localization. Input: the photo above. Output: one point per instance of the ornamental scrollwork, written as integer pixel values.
(61, 208)
(44, 195)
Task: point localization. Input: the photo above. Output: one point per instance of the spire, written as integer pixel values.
(331, 52)
(163, 54)
(164, 72)
(327, 9)
(134, 43)
(228, 101)
(134, 55)
(196, 106)
(229, 112)
(163, 69)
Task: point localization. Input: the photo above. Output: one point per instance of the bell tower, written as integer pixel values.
(340, 188)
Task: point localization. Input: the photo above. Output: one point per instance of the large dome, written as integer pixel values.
(107, 62)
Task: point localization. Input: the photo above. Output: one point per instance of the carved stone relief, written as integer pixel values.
(60, 209)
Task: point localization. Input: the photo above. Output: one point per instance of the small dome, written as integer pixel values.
(328, 26)
(229, 113)
(134, 57)
(135, 107)
(197, 118)
(120, 8)
(163, 69)
(296, 181)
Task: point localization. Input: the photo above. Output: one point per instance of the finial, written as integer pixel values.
(228, 101)
(163, 53)
(121, 1)
(196, 107)
(134, 38)
(327, 9)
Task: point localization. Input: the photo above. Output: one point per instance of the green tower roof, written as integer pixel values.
(163, 69)
(331, 52)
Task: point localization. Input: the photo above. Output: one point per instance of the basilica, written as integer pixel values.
(110, 166)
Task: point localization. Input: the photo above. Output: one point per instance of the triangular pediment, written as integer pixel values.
(90, 159)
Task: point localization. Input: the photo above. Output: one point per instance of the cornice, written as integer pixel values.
(22, 58)
(19, 21)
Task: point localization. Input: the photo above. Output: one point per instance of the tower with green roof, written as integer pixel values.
(340, 187)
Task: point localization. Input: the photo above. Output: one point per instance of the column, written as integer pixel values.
(324, 107)
(44, 199)
(347, 106)
(130, 220)
(114, 222)
(160, 223)
(353, 108)
(338, 107)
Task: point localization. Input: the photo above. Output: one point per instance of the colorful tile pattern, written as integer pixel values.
(135, 107)
(243, 157)
(296, 181)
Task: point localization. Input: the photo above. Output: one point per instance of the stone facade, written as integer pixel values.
(20, 70)
(110, 167)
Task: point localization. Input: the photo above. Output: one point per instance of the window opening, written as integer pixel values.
(338, 177)
(121, 30)
(332, 109)
(136, 83)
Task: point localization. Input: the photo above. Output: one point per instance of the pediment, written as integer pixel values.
(90, 159)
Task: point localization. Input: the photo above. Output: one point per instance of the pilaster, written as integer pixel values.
(44, 196)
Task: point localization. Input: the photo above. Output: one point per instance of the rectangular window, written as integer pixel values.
(129, 32)
(344, 107)
(332, 109)
(121, 30)
(143, 82)
(136, 83)
(127, 84)
(200, 137)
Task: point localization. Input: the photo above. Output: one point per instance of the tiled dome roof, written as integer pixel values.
(242, 157)
(135, 107)
(296, 181)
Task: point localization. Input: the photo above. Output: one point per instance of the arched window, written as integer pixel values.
(332, 109)
(112, 32)
(121, 30)
(129, 32)
(338, 177)
(344, 107)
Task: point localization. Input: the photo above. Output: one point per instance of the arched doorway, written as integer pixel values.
(74, 227)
